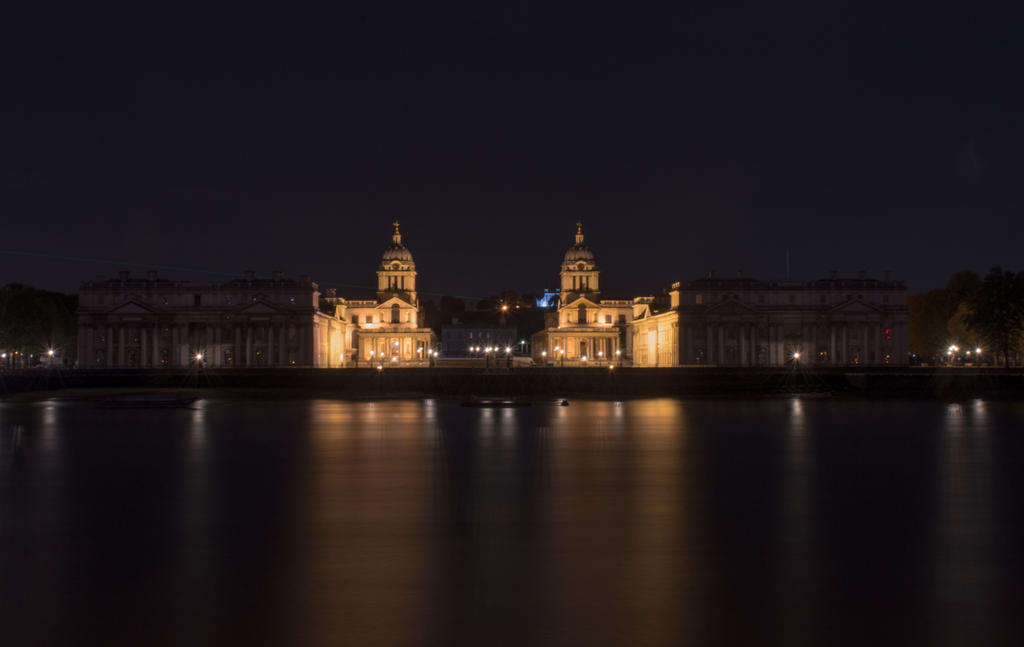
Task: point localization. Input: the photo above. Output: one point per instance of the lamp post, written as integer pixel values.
(544, 357)
(618, 356)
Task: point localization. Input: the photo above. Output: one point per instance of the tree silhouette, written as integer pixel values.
(997, 311)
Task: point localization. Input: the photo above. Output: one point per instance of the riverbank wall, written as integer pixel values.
(544, 382)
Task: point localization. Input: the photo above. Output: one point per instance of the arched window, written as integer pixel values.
(582, 314)
(395, 316)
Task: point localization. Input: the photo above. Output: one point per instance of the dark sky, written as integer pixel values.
(686, 139)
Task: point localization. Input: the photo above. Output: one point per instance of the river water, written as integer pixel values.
(421, 522)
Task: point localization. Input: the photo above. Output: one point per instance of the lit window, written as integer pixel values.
(607, 319)
(355, 319)
(700, 299)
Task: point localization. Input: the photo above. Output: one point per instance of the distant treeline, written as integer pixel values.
(34, 321)
(970, 312)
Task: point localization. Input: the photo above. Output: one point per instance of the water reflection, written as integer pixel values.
(421, 522)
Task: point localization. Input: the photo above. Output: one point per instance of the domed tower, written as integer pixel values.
(579, 271)
(397, 273)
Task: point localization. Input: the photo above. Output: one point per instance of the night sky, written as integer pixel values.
(685, 139)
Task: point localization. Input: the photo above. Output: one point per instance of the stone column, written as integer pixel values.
(742, 334)
(155, 351)
(709, 344)
(121, 355)
(754, 344)
(721, 343)
(866, 359)
(185, 345)
(143, 357)
(845, 348)
(832, 345)
(236, 356)
(218, 348)
(269, 350)
(248, 346)
(281, 346)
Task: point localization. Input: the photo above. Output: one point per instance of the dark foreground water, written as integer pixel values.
(649, 522)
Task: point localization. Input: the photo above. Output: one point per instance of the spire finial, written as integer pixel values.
(397, 236)
(579, 232)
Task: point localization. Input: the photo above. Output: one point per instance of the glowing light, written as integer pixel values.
(796, 355)
(504, 307)
(50, 352)
(611, 367)
(394, 359)
(199, 356)
(507, 350)
(543, 353)
(977, 350)
(584, 358)
(618, 352)
(380, 367)
(3, 356)
(600, 353)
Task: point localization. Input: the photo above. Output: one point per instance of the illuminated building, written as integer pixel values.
(584, 327)
(389, 329)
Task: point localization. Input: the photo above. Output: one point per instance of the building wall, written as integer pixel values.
(656, 340)
(154, 323)
(831, 322)
(457, 340)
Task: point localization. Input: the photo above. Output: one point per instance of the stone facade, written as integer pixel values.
(388, 330)
(585, 328)
(745, 322)
(152, 323)
(253, 322)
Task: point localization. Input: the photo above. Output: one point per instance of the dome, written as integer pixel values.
(396, 251)
(579, 251)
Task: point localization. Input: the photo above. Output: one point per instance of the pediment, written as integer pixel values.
(261, 307)
(855, 305)
(386, 304)
(131, 308)
(582, 300)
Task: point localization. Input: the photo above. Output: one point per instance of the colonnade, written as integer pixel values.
(175, 344)
(746, 343)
